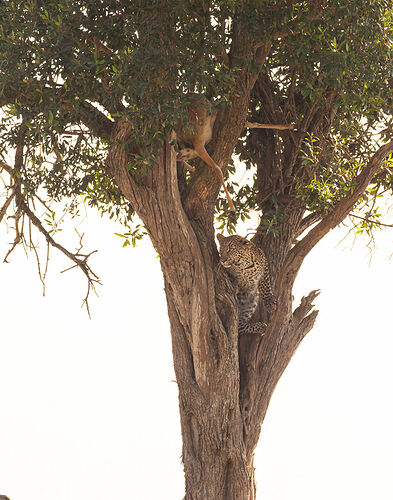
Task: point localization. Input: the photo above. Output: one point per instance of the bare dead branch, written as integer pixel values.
(47, 260)
(305, 306)
(33, 247)
(277, 126)
(305, 326)
(15, 243)
(79, 259)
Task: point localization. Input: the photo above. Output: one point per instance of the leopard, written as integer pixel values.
(248, 267)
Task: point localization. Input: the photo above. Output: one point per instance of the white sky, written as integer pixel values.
(89, 407)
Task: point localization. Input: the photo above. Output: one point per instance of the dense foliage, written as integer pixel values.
(70, 69)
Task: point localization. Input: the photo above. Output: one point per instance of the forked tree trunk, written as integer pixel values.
(224, 384)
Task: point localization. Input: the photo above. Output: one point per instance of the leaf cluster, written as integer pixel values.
(330, 74)
(72, 69)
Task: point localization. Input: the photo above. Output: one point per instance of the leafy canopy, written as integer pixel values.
(70, 69)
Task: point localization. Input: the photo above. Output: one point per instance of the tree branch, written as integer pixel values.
(79, 259)
(88, 114)
(368, 220)
(202, 193)
(6, 205)
(304, 327)
(305, 306)
(338, 213)
(308, 221)
(95, 120)
(277, 126)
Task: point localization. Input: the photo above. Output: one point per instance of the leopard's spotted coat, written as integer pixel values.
(248, 265)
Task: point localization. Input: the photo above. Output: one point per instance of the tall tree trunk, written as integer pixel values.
(224, 385)
(225, 382)
(216, 463)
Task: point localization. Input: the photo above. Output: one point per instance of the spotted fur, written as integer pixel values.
(248, 265)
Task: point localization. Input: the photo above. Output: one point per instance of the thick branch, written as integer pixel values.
(305, 326)
(204, 188)
(7, 203)
(308, 221)
(188, 280)
(333, 218)
(95, 120)
(271, 357)
(89, 115)
(286, 330)
(368, 220)
(305, 306)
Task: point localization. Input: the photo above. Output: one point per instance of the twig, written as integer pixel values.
(79, 259)
(6, 205)
(308, 221)
(18, 235)
(42, 278)
(372, 221)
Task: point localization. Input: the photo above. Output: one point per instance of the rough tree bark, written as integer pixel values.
(204, 347)
(225, 384)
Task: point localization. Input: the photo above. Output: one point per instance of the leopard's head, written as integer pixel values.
(232, 250)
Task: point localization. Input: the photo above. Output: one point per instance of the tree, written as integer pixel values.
(92, 95)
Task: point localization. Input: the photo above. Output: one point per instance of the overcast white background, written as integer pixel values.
(88, 408)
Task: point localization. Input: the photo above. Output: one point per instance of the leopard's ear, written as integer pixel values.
(221, 238)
